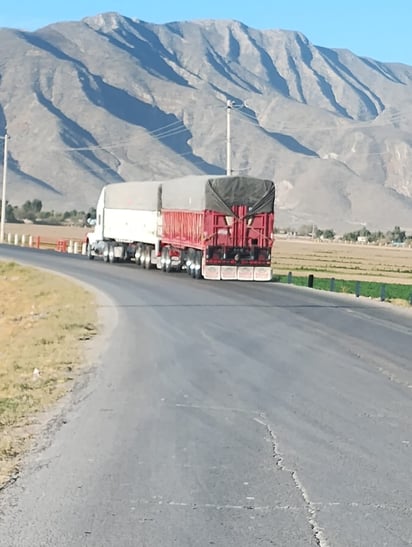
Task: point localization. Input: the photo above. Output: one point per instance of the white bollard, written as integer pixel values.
(9, 239)
(23, 240)
(30, 241)
(76, 248)
(16, 239)
(70, 247)
(84, 249)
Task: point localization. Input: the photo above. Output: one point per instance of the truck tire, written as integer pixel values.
(138, 255)
(163, 260)
(112, 258)
(189, 262)
(106, 253)
(90, 256)
(147, 256)
(168, 261)
(198, 265)
(193, 265)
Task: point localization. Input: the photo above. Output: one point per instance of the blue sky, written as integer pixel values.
(374, 28)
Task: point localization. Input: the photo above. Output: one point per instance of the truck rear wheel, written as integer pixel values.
(168, 261)
(147, 257)
(197, 270)
(112, 258)
(138, 255)
(90, 256)
(190, 261)
(163, 259)
(106, 253)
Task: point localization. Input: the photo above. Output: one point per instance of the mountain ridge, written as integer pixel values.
(110, 98)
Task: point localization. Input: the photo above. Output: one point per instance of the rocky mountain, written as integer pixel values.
(110, 98)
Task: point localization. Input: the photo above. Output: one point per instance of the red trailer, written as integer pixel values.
(218, 227)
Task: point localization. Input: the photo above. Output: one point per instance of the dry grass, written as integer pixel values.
(343, 261)
(43, 320)
(47, 231)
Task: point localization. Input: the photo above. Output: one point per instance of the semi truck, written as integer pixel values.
(215, 227)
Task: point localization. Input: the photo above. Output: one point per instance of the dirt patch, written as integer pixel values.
(48, 235)
(44, 321)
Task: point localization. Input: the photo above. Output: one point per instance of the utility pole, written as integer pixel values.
(3, 194)
(228, 139)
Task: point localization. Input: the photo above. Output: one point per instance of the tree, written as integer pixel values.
(27, 207)
(10, 217)
(10, 213)
(398, 235)
(376, 236)
(351, 236)
(364, 232)
(36, 205)
(329, 233)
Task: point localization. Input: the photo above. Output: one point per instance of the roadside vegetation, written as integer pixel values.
(44, 321)
(397, 236)
(390, 292)
(32, 211)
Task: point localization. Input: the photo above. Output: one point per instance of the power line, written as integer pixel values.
(177, 128)
(282, 128)
(132, 163)
(160, 133)
(339, 157)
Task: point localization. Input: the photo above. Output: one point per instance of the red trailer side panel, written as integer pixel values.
(198, 230)
(183, 229)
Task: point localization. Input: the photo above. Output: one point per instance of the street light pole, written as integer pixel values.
(228, 139)
(3, 194)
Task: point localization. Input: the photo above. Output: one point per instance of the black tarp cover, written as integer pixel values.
(219, 193)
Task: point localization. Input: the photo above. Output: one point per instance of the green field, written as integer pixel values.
(383, 291)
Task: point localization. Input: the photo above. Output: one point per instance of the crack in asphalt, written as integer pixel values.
(9, 482)
(158, 500)
(357, 504)
(311, 507)
(214, 408)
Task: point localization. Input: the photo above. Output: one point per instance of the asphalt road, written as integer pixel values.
(225, 414)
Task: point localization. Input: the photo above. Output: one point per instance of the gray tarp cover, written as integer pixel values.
(194, 193)
(139, 196)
